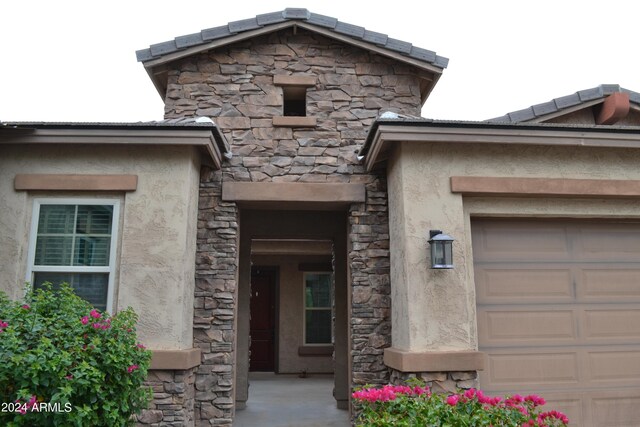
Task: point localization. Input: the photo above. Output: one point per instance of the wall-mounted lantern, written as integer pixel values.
(441, 249)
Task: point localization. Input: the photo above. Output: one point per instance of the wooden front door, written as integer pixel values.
(262, 324)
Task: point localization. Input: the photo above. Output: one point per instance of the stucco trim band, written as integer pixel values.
(434, 361)
(175, 359)
(547, 187)
(294, 121)
(282, 80)
(26, 182)
(292, 192)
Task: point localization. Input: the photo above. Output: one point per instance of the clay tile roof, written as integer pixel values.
(537, 112)
(292, 15)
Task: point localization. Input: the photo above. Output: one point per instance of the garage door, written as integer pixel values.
(559, 314)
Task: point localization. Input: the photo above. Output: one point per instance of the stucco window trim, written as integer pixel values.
(73, 182)
(294, 92)
(294, 121)
(110, 269)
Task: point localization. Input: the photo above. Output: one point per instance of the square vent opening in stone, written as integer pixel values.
(294, 101)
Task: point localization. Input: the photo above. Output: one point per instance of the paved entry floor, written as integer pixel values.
(286, 400)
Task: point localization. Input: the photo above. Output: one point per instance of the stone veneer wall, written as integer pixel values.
(173, 399)
(447, 382)
(234, 86)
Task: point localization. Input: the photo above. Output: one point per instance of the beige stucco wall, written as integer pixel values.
(291, 314)
(156, 245)
(435, 309)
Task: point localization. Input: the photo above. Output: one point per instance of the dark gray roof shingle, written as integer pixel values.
(291, 14)
(564, 102)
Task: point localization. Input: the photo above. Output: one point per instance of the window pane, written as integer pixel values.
(56, 219)
(91, 251)
(318, 290)
(53, 250)
(74, 235)
(318, 326)
(90, 286)
(94, 219)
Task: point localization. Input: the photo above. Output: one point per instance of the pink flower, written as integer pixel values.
(33, 401)
(553, 415)
(85, 320)
(453, 399)
(70, 376)
(97, 326)
(26, 306)
(21, 407)
(140, 346)
(30, 405)
(94, 313)
(132, 368)
(535, 400)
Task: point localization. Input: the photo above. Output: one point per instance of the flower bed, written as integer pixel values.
(415, 405)
(65, 363)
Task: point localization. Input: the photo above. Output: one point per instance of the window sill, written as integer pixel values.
(315, 350)
(294, 121)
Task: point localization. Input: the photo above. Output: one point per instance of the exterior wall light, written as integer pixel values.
(441, 250)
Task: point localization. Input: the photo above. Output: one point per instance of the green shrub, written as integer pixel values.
(409, 406)
(63, 363)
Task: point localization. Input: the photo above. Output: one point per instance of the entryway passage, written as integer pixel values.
(287, 400)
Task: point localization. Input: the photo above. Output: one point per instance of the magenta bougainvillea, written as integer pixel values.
(413, 405)
(65, 363)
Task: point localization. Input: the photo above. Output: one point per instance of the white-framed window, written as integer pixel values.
(318, 311)
(74, 241)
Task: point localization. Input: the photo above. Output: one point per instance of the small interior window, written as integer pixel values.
(294, 101)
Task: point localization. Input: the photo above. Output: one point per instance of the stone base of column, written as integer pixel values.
(439, 382)
(173, 398)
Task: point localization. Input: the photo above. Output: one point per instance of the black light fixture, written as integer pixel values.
(441, 250)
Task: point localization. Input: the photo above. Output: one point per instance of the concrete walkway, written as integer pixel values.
(286, 400)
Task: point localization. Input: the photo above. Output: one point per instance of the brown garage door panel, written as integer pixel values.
(558, 306)
(612, 323)
(618, 367)
(616, 282)
(515, 370)
(615, 408)
(527, 327)
(612, 242)
(503, 283)
(570, 404)
(544, 325)
(521, 284)
(517, 241)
